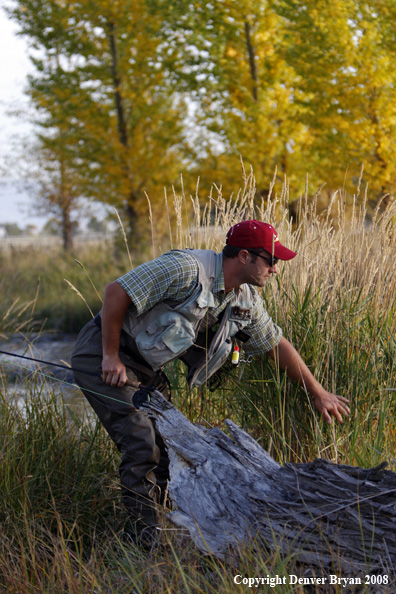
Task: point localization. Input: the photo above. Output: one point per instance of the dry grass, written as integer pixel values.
(335, 301)
(60, 515)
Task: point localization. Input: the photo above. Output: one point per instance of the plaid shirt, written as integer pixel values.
(174, 275)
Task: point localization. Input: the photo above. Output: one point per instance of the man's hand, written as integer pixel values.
(114, 372)
(327, 403)
(330, 404)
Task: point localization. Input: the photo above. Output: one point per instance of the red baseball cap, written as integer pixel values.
(255, 235)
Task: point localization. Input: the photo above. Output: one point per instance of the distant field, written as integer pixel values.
(41, 241)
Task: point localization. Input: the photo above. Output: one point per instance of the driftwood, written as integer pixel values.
(228, 491)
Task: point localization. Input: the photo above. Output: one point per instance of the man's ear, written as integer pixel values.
(243, 256)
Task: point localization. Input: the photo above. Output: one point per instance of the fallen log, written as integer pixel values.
(227, 491)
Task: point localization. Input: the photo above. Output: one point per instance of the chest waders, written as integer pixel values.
(169, 331)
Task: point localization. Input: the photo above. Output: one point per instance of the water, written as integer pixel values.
(21, 374)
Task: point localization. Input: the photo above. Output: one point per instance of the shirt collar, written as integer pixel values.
(218, 286)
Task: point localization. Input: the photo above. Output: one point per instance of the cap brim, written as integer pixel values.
(283, 253)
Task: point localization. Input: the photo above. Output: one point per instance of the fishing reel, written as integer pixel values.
(142, 396)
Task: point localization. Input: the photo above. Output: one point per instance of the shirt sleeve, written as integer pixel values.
(174, 275)
(264, 333)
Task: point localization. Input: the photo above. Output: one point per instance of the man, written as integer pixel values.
(193, 305)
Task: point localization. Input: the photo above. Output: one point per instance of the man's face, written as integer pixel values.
(260, 267)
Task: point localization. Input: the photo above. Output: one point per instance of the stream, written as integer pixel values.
(16, 373)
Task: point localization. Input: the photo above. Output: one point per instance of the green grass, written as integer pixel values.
(60, 515)
(61, 518)
(37, 287)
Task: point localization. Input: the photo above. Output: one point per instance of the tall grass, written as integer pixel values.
(335, 302)
(45, 279)
(61, 518)
(60, 515)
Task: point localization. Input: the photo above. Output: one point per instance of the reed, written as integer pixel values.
(35, 293)
(60, 515)
(335, 302)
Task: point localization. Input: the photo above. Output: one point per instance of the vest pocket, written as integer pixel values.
(164, 339)
(198, 377)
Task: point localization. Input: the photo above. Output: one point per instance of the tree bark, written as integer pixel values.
(67, 230)
(65, 206)
(229, 491)
(252, 61)
(122, 124)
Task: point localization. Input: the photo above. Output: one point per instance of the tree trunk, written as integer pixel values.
(130, 209)
(67, 230)
(65, 203)
(229, 491)
(116, 76)
(252, 61)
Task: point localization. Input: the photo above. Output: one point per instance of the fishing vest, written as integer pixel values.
(188, 330)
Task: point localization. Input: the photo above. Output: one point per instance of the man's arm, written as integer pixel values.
(173, 275)
(327, 404)
(115, 305)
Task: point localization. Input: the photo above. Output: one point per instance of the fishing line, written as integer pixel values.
(53, 378)
(49, 363)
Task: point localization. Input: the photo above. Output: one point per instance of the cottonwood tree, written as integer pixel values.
(374, 93)
(343, 57)
(307, 86)
(242, 88)
(99, 76)
(57, 188)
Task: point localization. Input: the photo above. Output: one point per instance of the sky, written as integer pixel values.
(15, 205)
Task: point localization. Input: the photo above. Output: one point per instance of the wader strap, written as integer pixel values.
(98, 321)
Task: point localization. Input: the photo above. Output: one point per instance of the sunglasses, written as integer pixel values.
(271, 260)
